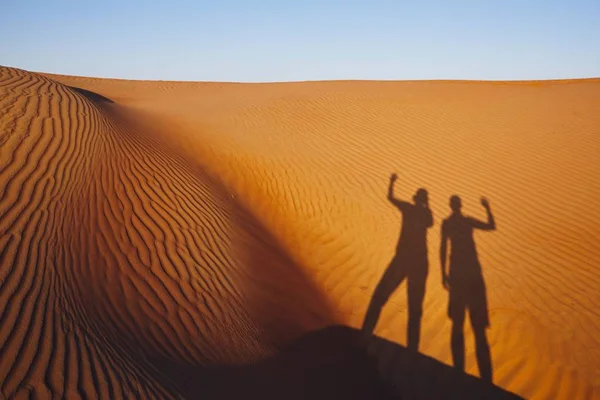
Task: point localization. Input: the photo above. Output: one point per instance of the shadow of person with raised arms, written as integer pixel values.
(465, 284)
(410, 262)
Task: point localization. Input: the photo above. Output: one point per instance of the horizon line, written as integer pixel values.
(457, 80)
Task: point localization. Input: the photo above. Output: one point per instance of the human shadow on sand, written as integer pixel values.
(465, 284)
(336, 363)
(463, 280)
(409, 263)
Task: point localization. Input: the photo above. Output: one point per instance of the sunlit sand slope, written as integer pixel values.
(146, 224)
(120, 259)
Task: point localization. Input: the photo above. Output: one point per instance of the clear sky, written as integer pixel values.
(279, 40)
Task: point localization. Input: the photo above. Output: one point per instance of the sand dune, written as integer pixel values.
(150, 229)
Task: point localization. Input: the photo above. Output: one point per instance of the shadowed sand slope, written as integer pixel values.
(333, 363)
(117, 255)
(150, 229)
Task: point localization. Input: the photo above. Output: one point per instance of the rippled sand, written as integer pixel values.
(150, 229)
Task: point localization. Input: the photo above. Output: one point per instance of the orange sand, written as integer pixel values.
(195, 224)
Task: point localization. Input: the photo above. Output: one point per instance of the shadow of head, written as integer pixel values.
(421, 196)
(455, 204)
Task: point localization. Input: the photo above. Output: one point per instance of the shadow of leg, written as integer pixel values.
(392, 278)
(458, 344)
(416, 295)
(478, 312)
(482, 350)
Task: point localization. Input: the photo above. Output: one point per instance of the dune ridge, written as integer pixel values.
(117, 255)
(148, 228)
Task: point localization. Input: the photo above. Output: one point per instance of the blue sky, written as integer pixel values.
(268, 40)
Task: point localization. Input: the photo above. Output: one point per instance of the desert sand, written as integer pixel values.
(154, 232)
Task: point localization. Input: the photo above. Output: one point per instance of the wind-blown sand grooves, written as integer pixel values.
(150, 229)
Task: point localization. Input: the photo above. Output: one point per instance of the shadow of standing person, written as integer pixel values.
(410, 262)
(466, 285)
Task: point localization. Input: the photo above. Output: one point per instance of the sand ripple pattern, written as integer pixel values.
(148, 229)
(121, 265)
(313, 160)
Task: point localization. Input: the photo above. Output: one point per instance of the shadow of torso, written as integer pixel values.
(464, 263)
(467, 287)
(411, 250)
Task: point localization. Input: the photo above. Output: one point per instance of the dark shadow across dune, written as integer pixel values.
(333, 363)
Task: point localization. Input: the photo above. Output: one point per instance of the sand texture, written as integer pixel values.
(175, 239)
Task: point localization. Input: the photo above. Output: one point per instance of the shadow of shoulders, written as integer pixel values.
(332, 363)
